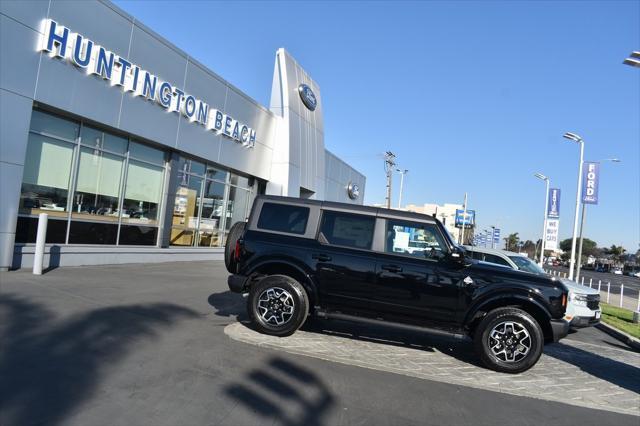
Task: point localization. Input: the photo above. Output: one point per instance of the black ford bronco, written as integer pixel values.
(298, 257)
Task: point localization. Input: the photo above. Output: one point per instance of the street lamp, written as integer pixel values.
(575, 138)
(633, 60)
(584, 208)
(402, 173)
(544, 222)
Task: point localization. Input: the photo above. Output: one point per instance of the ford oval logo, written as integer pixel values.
(308, 97)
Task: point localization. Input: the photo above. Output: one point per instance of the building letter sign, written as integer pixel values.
(60, 42)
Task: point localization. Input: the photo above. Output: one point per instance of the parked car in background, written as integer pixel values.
(617, 271)
(583, 309)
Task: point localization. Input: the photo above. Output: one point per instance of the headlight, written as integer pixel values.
(578, 299)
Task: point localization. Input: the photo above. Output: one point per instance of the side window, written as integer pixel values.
(283, 218)
(496, 259)
(346, 229)
(477, 255)
(415, 239)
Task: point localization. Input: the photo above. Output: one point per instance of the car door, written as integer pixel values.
(414, 285)
(344, 263)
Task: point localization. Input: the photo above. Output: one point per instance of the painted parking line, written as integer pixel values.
(569, 372)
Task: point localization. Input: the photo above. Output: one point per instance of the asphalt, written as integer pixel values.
(144, 345)
(632, 283)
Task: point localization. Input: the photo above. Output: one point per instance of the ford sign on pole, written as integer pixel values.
(590, 178)
(554, 203)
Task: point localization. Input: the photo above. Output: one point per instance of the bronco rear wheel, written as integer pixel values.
(278, 305)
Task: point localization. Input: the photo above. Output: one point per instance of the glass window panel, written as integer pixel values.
(283, 218)
(138, 235)
(146, 153)
(414, 239)
(55, 126)
(92, 233)
(185, 211)
(143, 192)
(211, 218)
(101, 140)
(346, 229)
(240, 181)
(27, 228)
(236, 206)
(98, 186)
(217, 174)
(45, 180)
(490, 258)
(186, 165)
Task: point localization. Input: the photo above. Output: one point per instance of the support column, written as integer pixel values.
(14, 134)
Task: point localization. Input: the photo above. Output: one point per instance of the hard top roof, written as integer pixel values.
(494, 251)
(356, 208)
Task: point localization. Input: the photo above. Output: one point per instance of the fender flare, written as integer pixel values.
(309, 283)
(509, 298)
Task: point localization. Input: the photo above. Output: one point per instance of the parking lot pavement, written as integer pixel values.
(146, 345)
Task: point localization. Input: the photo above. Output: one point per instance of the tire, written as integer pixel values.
(230, 246)
(278, 292)
(503, 335)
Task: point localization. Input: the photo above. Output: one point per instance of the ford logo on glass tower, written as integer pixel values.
(308, 97)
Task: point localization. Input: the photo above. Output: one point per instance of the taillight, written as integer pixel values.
(236, 254)
(564, 300)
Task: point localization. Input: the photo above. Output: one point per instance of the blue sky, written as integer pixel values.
(471, 96)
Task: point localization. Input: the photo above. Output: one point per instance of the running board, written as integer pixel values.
(377, 322)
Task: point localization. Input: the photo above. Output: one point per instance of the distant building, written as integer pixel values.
(446, 213)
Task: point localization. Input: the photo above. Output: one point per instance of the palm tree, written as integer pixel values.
(511, 242)
(617, 252)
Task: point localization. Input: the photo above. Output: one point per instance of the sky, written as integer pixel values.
(471, 96)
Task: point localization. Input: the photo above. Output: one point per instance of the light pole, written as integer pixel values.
(584, 209)
(633, 60)
(544, 222)
(402, 173)
(577, 139)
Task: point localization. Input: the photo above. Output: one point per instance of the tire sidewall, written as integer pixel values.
(300, 305)
(516, 315)
(230, 245)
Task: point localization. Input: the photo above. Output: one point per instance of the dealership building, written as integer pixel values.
(135, 150)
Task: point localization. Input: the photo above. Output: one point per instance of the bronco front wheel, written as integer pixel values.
(509, 340)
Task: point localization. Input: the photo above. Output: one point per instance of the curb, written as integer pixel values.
(620, 335)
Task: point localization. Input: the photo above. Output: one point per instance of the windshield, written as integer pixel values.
(526, 264)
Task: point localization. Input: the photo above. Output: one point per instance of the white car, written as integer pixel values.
(617, 271)
(583, 307)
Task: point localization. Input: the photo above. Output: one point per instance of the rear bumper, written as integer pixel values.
(237, 283)
(559, 328)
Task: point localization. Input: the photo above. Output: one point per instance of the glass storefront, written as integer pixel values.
(207, 202)
(101, 188)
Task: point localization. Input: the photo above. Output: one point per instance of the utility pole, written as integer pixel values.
(389, 164)
(402, 173)
(464, 218)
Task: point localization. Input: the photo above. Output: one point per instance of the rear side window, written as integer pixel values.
(346, 229)
(283, 218)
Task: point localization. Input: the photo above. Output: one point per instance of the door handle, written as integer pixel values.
(392, 268)
(321, 257)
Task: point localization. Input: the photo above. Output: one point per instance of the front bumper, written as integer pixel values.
(237, 283)
(580, 322)
(559, 329)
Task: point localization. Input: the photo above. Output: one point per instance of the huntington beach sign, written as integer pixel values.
(60, 42)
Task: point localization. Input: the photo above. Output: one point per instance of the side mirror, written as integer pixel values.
(458, 255)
